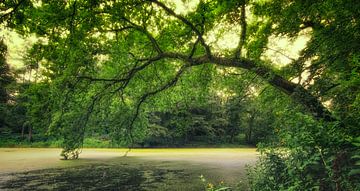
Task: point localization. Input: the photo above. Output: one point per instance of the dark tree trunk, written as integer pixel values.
(251, 124)
(22, 131)
(30, 134)
(232, 136)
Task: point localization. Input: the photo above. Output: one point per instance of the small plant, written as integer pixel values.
(208, 186)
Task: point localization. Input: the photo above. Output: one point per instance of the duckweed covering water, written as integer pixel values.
(102, 177)
(144, 169)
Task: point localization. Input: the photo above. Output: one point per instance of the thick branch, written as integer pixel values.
(115, 29)
(73, 14)
(12, 11)
(193, 49)
(297, 92)
(100, 79)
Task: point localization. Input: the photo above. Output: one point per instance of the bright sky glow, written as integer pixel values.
(224, 94)
(282, 50)
(223, 37)
(15, 45)
(184, 6)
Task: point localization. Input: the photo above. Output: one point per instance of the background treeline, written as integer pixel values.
(203, 120)
(25, 111)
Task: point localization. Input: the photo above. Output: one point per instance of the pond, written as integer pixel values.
(107, 169)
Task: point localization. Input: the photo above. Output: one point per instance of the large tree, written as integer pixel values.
(117, 60)
(135, 49)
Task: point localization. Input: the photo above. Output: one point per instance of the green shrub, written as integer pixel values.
(310, 155)
(269, 173)
(92, 142)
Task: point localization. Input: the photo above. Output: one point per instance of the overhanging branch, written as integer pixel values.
(146, 32)
(296, 91)
(144, 97)
(2, 17)
(186, 22)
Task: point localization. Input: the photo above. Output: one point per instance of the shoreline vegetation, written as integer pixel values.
(98, 143)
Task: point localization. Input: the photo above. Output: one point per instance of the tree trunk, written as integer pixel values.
(251, 124)
(22, 131)
(232, 136)
(30, 134)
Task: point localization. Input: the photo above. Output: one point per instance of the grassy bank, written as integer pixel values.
(91, 142)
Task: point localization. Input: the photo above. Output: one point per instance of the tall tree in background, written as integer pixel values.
(5, 80)
(5, 76)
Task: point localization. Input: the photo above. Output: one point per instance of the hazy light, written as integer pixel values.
(223, 37)
(16, 46)
(282, 50)
(184, 6)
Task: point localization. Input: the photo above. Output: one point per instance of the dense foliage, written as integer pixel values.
(166, 73)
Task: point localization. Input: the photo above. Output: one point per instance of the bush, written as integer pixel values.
(269, 173)
(302, 169)
(91, 142)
